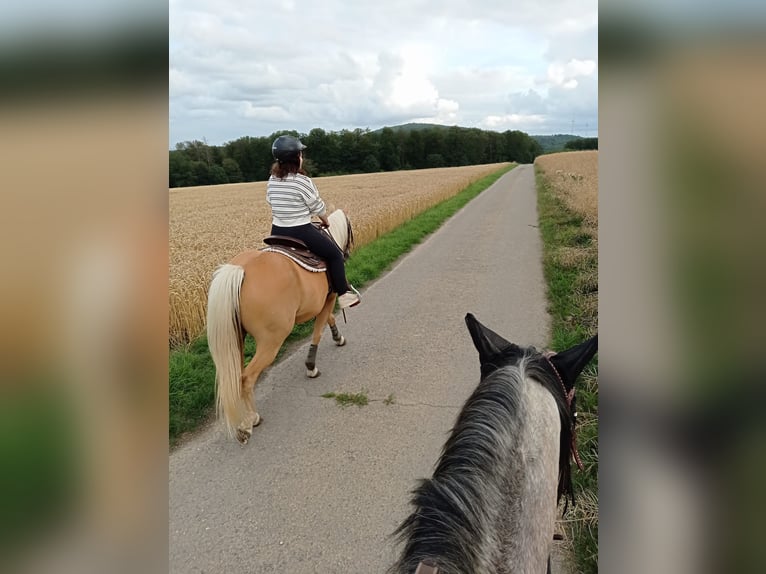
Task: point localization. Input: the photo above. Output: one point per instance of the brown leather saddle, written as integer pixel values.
(296, 250)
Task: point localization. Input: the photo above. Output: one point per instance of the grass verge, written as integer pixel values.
(191, 370)
(570, 259)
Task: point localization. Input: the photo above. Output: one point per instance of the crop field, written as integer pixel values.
(574, 177)
(568, 204)
(211, 224)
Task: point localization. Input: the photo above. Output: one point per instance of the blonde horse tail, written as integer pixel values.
(224, 338)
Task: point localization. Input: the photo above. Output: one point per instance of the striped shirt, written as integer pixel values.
(293, 200)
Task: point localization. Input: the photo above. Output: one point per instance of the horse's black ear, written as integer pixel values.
(571, 362)
(489, 344)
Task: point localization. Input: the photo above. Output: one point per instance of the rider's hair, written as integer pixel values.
(281, 170)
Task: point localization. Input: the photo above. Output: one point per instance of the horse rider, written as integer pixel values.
(294, 198)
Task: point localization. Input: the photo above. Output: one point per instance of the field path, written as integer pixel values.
(320, 488)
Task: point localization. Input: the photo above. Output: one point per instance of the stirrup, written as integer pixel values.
(357, 293)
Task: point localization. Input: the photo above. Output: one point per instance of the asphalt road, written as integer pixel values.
(320, 488)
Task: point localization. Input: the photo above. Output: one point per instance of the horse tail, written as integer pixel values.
(224, 338)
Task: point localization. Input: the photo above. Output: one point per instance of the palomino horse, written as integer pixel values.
(265, 294)
(490, 506)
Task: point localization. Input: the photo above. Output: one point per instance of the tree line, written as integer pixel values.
(350, 151)
(581, 144)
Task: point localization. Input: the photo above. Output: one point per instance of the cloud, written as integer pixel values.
(268, 113)
(565, 75)
(362, 64)
(512, 121)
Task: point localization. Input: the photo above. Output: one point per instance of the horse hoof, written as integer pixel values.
(340, 342)
(243, 436)
(258, 420)
(313, 374)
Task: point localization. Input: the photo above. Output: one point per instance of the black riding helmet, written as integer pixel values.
(286, 148)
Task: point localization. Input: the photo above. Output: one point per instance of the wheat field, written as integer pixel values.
(574, 178)
(211, 224)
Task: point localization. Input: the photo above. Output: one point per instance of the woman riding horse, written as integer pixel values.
(266, 294)
(294, 199)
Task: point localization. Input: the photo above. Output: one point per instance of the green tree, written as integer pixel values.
(414, 150)
(389, 150)
(370, 164)
(454, 148)
(180, 172)
(322, 150)
(348, 151)
(582, 144)
(231, 167)
(201, 173)
(253, 156)
(216, 175)
(196, 151)
(368, 146)
(433, 143)
(435, 160)
(474, 146)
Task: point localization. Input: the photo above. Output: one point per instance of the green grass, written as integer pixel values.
(345, 399)
(572, 298)
(191, 369)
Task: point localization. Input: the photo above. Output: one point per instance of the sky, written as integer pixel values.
(242, 68)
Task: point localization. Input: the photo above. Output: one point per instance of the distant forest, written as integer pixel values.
(410, 146)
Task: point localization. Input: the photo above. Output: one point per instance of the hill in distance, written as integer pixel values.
(413, 127)
(549, 144)
(554, 142)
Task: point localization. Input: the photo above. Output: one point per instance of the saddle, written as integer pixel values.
(296, 250)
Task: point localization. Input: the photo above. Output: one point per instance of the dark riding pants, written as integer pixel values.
(324, 247)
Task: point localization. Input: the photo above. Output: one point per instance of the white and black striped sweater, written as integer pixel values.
(293, 200)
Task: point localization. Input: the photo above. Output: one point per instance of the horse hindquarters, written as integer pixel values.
(225, 340)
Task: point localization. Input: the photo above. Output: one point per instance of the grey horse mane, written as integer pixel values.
(474, 483)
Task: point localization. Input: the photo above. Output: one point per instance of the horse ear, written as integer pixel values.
(489, 344)
(571, 362)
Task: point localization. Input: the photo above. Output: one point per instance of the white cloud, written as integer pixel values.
(565, 75)
(268, 113)
(512, 121)
(259, 67)
(410, 87)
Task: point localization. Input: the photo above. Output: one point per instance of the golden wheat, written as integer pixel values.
(574, 178)
(209, 225)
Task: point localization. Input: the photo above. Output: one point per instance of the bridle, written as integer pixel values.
(570, 400)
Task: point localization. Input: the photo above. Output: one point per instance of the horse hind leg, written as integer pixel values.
(339, 339)
(265, 354)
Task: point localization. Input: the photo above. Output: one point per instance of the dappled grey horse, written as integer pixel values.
(490, 507)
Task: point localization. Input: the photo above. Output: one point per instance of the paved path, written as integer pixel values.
(320, 488)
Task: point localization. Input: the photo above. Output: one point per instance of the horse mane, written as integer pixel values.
(340, 230)
(458, 509)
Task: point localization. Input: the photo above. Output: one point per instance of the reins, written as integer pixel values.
(569, 396)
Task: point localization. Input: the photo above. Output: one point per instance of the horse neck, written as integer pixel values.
(538, 478)
(338, 228)
(501, 463)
